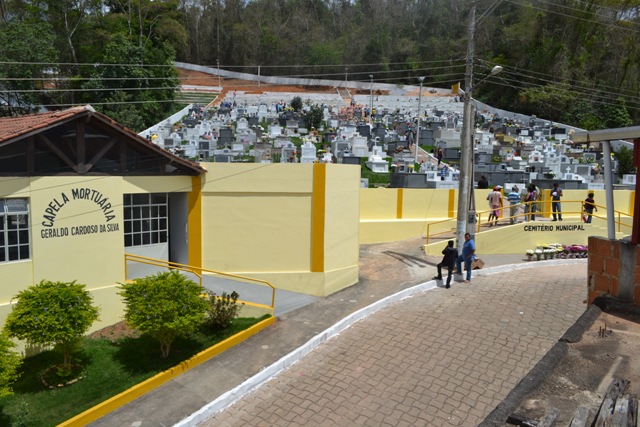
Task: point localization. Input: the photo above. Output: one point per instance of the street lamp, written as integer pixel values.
(416, 145)
(467, 217)
(371, 98)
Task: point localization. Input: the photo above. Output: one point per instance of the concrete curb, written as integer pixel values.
(269, 372)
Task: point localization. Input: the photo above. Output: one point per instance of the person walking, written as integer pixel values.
(556, 193)
(588, 206)
(448, 260)
(440, 155)
(514, 203)
(495, 204)
(467, 256)
(531, 199)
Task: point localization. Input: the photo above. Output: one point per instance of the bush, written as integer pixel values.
(222, 310)
(296, 103)
(10, 361)
(52, 313)
(165, 306)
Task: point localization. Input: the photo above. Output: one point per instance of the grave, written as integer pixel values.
(308, 153)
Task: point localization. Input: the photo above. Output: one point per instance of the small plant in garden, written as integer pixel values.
(165, 306)
(52, 313)
(222, 310)
(10, 361)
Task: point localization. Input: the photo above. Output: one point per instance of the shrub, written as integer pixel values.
(296, 103)
(165, 306)
(222, 310)
(52, 313)
(10, 361)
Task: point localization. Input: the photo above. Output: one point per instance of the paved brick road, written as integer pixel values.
(445, 357)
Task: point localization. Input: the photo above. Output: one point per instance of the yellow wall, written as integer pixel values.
(391, 214)
(77, 233)
(296, 227)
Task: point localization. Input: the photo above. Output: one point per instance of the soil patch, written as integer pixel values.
(606, 351)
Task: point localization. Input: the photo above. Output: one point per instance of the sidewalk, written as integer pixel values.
(418, 350)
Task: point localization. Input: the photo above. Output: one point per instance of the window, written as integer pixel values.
(14, 230)
(145, 219)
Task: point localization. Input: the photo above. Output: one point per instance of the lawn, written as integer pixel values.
(109, 367)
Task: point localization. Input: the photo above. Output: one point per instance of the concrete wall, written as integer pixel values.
(614, 269)
(296, 227)
(391, 214)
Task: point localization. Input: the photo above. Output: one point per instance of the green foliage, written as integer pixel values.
(296, 103)
(314, 117)
(222, 310)
(10, 361)
(52, 313)
(165, 306)
(624, 156)
(24, 46)
(110, 367)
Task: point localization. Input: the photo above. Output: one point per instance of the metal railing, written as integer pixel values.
(443, 229)
(199, 272)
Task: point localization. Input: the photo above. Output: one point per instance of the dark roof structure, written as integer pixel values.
(80, 140)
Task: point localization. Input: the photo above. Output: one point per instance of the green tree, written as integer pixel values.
(314, 117)
(133, 85)
(25, 48)
(165, 306)
(296, 103)
(624, 156)
(52, 313)
(10, 361)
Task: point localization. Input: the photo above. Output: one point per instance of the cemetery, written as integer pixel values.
(378, 133)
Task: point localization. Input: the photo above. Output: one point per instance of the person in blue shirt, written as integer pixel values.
(514, 201)
(467, 256)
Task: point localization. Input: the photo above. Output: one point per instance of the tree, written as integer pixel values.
(24, 49)
(625, 161)
(313, 118)
(296, 103)
(133, 85)
(10, 361)
(52, 313)
(165, 306)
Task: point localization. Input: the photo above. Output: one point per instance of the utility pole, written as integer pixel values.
(416, 143)
(466, 143)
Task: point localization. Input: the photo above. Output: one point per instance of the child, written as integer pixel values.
(589, 205)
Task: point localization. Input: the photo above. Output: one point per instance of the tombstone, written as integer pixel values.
(359, 146)
(376, 162)
(308, 153)
(288, 153)
(225, 138)
(242, 124)
(275, 130)
(364, 130)
(281, 141)
(253, 121)
(168, 142)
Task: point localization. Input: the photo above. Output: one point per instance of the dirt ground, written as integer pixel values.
(607, 350)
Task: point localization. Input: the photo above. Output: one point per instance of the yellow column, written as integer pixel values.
(318, 217)
(452, 201)
(399, 202)
(195, 222)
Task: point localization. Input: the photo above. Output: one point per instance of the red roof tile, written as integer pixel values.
(12, 128)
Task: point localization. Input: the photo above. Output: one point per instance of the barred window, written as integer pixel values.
(145, 219)
(14, 230)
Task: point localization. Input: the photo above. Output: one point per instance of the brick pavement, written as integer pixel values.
(444, 357)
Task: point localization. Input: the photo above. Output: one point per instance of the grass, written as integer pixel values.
(110, 367)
